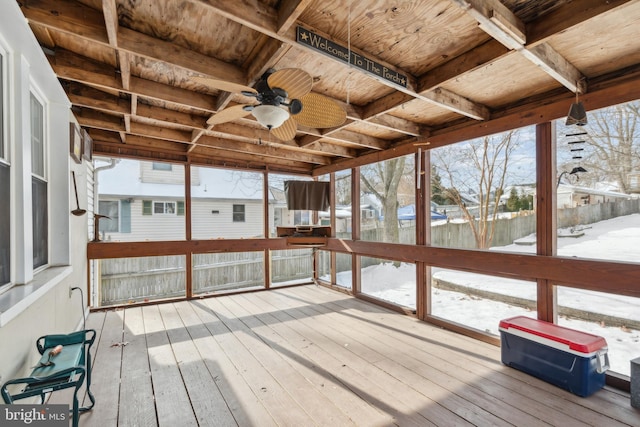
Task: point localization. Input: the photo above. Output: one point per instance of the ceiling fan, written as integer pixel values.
(284, 100)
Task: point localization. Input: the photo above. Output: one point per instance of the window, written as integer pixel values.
(387, 201)
(2, 91)
(110, 209)
(238, 213)
(168, 208)
(39, 203)
(5, 226)
(156, 166)
(5, 188)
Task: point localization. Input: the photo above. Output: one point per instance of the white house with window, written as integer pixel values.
(146, 201)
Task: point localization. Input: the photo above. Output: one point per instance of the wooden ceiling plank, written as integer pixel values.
(397, 124)
(250, 13)
(483, 11)
(89, 119)
(70, 66)
(457, 103)
(361, 140)
(324, 148)
(289, 12)
(270, 54)
(501, 24)
(474, 59)
(103, 135)
(129, 40)
(385, 104)
(569, 15)
(554, 64)
(110, 12)
(465, 107)
(170, 116)
(158, 132)
(230, 156)
(125, 69)
(87, 96)
(153, 144)
(504, 19)
(266, 150)
(159, 50)
(68, 16)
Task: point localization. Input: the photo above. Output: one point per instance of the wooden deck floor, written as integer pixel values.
(308, 356)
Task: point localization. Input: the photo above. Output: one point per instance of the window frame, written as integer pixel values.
(161, 166)
(43, 178)
(6, 216)
(164, 204)
(237, 215)
(117, 218)
(4, 89)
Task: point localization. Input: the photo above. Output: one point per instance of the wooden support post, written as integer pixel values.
(546, 215)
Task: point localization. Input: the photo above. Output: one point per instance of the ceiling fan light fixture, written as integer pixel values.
(270, 116)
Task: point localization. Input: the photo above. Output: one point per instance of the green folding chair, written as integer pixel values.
(57, 371)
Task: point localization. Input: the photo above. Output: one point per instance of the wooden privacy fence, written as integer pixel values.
(136, 279)
(125, 280)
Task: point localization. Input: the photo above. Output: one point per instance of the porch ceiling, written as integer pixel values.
(129, 67)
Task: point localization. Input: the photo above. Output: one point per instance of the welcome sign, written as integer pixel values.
(334, 50)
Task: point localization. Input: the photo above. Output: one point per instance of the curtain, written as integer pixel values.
(307, 195)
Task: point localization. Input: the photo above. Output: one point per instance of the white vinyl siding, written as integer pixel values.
(208, 225)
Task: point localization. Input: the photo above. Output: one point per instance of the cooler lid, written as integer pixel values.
(582, 342)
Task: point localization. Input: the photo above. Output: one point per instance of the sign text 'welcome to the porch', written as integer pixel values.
(334, 50)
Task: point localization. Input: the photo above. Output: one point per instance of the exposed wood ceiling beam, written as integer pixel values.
(501, 24)
(68, 16)
(289, 12)
(568, 15)
(70, 66)
(185, 124)
(76, 68)
(129, 42)
(264, 20)
(261, 150)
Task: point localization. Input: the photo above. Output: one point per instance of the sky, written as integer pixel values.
(619, 236)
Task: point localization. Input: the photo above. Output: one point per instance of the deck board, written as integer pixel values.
(172, 400)
(105, 376)
(135, 386)
(308, 355)
(603, 407)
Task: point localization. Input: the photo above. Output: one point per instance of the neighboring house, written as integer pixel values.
(571, 196)
(146, 201)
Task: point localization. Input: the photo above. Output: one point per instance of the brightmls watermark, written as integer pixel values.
(34, 415)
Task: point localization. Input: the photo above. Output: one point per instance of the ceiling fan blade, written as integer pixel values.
(223, 85)
(295, 81)
(286, 131)
(318, 111)
(228, 114)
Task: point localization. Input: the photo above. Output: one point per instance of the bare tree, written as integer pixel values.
(477, 170)
(382, 179)
(612, 149)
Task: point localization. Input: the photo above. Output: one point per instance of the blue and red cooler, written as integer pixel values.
(573, 360)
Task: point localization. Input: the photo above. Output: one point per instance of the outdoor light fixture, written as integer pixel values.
(577, 114)
(574, 171)
(270, 116)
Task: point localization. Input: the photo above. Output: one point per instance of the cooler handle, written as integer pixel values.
(599, 357)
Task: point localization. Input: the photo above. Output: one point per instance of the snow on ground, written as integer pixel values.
(615, 239)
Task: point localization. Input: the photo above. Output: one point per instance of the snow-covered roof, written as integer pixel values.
(124, 180)
(570, 189)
